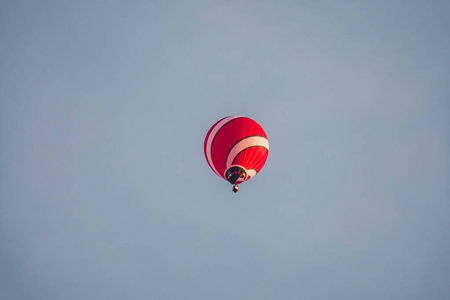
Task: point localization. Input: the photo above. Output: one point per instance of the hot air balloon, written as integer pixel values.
(236, 149)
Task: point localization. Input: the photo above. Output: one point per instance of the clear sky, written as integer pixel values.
(105, 192)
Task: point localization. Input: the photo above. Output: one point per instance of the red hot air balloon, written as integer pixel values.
(236, 149)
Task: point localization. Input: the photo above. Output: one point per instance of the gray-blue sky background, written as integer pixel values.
(105, 193)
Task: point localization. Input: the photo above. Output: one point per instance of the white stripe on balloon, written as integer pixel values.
(251, 141)
(211, 138)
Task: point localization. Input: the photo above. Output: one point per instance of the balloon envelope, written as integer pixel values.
(236, 148)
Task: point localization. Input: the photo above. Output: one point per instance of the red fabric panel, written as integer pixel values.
(252, 158)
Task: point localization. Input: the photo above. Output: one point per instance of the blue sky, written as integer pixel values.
(105, 193)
